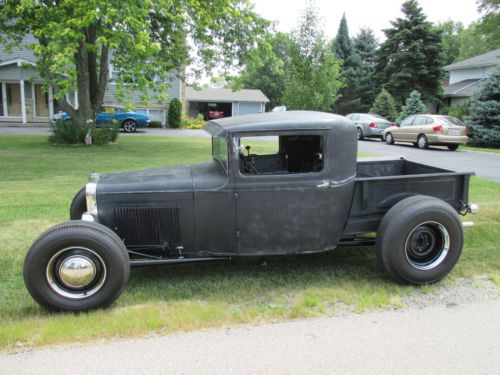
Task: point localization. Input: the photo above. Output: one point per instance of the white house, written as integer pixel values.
(466, 76)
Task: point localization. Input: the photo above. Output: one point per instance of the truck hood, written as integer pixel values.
(166, 179)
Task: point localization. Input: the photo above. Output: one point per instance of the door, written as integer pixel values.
(285, 202)
(247, 108)
(404, 130)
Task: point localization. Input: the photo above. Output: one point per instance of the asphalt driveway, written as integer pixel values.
(485, 165)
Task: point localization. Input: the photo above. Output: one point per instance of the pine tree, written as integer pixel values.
(342, 47)
(365, 44)
(484, 116)
(174, 113)
(410, 58)
(413, 106)
(384, 106)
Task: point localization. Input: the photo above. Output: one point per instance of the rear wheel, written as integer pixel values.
(389, 139)
(78, 205)
(452, 147)
(419, 240)
(422, 142)
(76, 266)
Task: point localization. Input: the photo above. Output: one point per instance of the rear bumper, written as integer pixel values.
(374, 132)
(435, 139)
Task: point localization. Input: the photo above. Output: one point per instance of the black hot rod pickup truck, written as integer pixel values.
(302, 191)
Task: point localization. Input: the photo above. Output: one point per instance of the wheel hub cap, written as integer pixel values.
(77, 271)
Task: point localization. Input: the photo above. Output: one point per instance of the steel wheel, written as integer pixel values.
(76, 272)
(129, 126)
(427, 245)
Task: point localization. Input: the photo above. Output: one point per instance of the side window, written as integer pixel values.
(420, 120)
(407, 121)
(285, 154)
(354, 117)
(428, 121)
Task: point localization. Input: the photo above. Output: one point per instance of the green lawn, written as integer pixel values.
(481, 149)
(38, 182)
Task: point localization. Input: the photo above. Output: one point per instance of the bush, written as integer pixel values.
(174, 113)
(484, 119)
(65, 132)
(193, 122)
(384, 106)
(413, 106)
(155, 124)
(457, 111)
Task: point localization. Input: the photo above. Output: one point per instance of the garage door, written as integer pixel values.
(247, 108)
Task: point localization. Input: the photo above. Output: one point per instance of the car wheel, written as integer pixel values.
(76, 266)
(419, 240)
(129, 126)
(452, 147)
(78, 205)
(389, 139)
(360, 134)
(422, 142)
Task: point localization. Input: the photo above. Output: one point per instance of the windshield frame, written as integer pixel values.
(217, 155)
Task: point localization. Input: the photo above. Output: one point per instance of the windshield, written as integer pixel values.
(219, 151)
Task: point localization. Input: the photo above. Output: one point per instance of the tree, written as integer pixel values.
(484, 116)
(410, 58)
(413, 106)
(266, 68)
(174, 113)
(146, 42)
(450, 40)
(490, 21)
(384, 106)
(365, 46)
(312, 77)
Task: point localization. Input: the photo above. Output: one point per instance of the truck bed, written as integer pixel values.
(381, 183)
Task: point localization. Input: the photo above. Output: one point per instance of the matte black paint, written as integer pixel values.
(228, 214)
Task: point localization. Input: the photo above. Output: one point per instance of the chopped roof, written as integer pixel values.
(210, 94)
(466, 87)
(271, 121)
(486, 59)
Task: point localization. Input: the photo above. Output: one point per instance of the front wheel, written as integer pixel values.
(419, 240)
(78, 205)
(76, 266)
(389, 139)
(129, 126)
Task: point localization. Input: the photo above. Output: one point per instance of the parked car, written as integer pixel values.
(128, 121)
(310, 195)
(369, 125)
(425, 130)
(215, 114)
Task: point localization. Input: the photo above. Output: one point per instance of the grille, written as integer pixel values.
(148, 225)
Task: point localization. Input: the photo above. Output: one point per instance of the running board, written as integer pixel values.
(162, 262)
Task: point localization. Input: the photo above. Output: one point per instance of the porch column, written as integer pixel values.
(4, 98)
(23, 101)
(76, 99)
(51, 102)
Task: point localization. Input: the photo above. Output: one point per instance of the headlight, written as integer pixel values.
(91, 193)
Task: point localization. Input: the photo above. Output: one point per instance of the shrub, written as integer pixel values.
(484, 118)
(174, 113)
(193, 122)
(413, 106)
(384, 106)
(457, 111)
(155, 124)
(65, 132)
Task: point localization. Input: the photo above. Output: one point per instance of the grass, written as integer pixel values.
(38, 182)
(482, 149)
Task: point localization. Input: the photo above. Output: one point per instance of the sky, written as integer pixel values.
(364, 13)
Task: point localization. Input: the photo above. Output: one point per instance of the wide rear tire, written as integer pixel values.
(419, 240)
(76, 266)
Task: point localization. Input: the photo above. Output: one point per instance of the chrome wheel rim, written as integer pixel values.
(129, 126)
(76, 272)
(421, 142)
(427, 245)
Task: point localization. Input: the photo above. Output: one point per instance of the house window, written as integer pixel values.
(284, 154)
(13, 91)
(41, 102)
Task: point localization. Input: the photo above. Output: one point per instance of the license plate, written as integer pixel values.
(454, 131)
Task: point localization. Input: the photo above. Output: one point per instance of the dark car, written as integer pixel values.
(305, 193)
(369, 125)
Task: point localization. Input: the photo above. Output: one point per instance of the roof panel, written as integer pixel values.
(224, 95)
(486, 59)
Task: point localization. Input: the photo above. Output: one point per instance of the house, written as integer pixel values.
(231, 103)
(467, 75)
(23, 98)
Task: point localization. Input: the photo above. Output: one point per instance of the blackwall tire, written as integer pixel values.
(422, 142)
(389, 139)
(419, 240)
(360, 134)
(452, 147)
(78, 205)
(76, 266)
